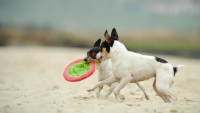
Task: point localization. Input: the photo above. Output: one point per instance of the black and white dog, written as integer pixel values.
(133, 67)
(105, 71)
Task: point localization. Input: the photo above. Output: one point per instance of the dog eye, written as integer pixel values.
(93, 55)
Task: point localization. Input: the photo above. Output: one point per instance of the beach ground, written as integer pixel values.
(31, 81)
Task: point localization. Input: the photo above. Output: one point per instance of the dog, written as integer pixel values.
(131, 67)
(105, 71)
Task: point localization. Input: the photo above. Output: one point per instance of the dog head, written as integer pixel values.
(91, 54)
(107, 45)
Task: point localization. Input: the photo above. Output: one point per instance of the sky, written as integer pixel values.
(90, 15)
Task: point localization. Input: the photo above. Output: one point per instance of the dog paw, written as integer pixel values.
(169, 99)
(89, 90)
(122, 97)
(173, 99)
(147, 97)
(97, 95)
(105, 97)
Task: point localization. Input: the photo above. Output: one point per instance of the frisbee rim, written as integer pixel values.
(82, 77)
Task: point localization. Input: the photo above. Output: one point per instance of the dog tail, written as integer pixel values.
(177, 68)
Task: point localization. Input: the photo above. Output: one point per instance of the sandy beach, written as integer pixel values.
(31, 81)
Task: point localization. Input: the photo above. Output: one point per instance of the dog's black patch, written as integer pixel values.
(105, 45)
(92, 53)
(160, 60)
(95, 50)
(175, 70)
(111, 42)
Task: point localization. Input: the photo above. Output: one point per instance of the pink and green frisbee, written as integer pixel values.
(78, 70)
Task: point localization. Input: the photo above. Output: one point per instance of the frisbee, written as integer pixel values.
(78, 70)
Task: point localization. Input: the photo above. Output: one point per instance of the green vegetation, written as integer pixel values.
(54, 38)
(175, 45)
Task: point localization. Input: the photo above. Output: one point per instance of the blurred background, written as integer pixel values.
(154, 26)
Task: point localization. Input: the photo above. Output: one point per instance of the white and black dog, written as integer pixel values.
(105, 71)
(133, 67)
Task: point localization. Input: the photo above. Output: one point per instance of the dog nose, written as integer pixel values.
(85, 59)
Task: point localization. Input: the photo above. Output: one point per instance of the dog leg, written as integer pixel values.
(98, 92)
(154, 87)
(112, 87)
(111, 90)
(124, 81)
(142, 87)
(107, 81)
(157, 92)
(164, 93)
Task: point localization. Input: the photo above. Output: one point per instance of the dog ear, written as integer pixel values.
(97, 43)
(114, 34)
(107, 37)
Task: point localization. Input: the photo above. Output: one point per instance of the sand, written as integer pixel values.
(31, 81)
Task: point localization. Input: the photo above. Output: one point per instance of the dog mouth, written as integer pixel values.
(87, 59)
